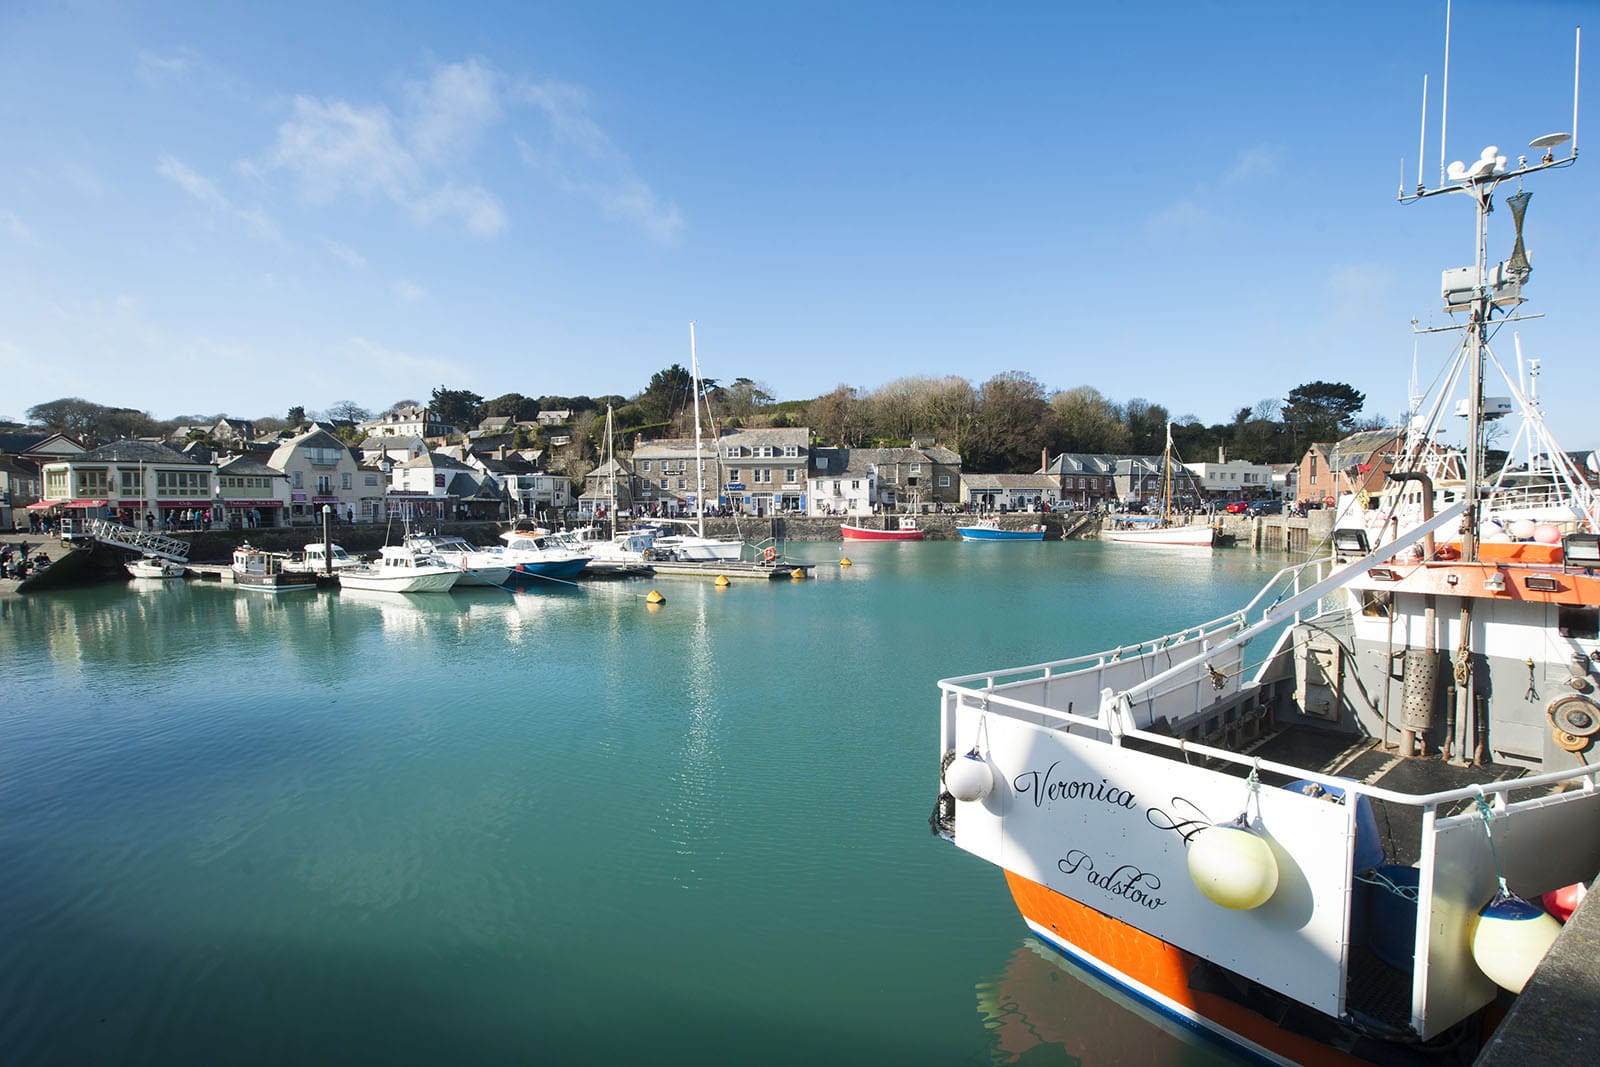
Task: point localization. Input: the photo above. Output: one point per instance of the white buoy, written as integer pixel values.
(1510, 938)
(969, 777)
(1233, 867)
(1522, 529)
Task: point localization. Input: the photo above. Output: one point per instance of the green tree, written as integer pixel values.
(1321, 411)
(73, 416)
(296, 416)
(669, 390)
(459, 407)
(514, 406)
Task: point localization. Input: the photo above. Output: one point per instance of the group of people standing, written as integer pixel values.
(16, 563)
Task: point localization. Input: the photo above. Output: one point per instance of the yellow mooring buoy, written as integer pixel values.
(655, 598)
(845, 562)
(797, 574)
(721, 582)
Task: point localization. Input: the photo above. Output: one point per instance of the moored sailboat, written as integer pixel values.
(1161, 528)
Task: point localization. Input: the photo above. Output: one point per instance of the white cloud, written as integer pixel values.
(345, 254)
(1194, 213)
(15, 226)
(206, 191)
(152, 67)
(398, 372)
(410, 292)
(478, 210)
(451, 110)
(333, 147)
(582, 158)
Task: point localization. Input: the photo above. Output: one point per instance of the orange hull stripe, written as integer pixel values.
(1160, 967)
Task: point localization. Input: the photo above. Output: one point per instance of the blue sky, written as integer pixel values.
(221, 207)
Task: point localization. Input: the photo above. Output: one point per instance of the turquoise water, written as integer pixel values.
(559, 826)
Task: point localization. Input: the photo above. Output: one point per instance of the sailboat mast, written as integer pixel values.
(1481, 308)
(1166, 481)
(611, 464)
(699, 485)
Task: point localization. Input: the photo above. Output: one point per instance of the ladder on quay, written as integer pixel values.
(150, 544)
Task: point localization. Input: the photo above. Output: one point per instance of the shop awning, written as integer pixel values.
(84, 504)
(40, 505)
(252, 503)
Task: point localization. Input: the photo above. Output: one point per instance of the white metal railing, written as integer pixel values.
(151, 544)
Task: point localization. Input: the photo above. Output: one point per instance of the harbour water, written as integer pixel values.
(554, 827)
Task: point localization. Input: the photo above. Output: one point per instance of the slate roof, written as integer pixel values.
(131, 449)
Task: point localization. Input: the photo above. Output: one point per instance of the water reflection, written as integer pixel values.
(1042, 1009)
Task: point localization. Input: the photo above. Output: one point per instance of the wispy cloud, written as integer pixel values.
(333, 147)
(15, 226)
(1196, 211)
(410, 292)
(582, 158)
(345, 254)
(400, 371)
(209, 194)
(154, 68)
(449, 112)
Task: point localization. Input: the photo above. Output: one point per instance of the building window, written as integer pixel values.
(788, 476)
(344, 481)
(132, 483)
(762, 476)
(644, 466)
(92, 482)
(325, 484)
(733, 474)
(916, 468)
(299, 482)
(944, 481)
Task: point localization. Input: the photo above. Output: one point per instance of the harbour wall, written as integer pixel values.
(1274, 532)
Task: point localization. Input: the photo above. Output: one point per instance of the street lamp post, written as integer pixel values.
(327, 542)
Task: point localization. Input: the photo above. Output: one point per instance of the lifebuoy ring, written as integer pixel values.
(769, 554)
(1446, 552)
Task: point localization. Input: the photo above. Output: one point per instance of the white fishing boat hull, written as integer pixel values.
(428, 581)
(1192, 536)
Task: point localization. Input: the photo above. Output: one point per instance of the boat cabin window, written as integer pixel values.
(1580, 623)
(1376, 603)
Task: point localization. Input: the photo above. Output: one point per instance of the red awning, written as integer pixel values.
(40, 505)
(84, 504)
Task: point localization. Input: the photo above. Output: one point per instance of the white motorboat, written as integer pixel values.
(317, 559)
(537, 553)
(401, 569)
(478, 566)
(155, 567)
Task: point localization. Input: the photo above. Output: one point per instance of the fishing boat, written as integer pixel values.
(264, 572)
(155, 567)
(1332, 849)
(1163, 527)
(401, 569)
(991, 530)
(905, 530)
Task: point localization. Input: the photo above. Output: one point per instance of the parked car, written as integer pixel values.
(1238, 507)
(1266, 507)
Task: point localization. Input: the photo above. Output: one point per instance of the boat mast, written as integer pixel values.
(1480, 179)
(1166, 481)
(611, 463)
(699, 485)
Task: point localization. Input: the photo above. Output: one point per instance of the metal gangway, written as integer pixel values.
(151, 544)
